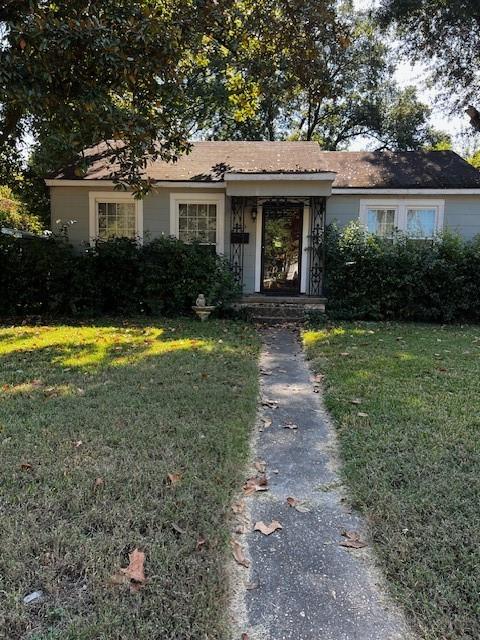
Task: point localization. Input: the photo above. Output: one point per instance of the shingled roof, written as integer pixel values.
(212, 161)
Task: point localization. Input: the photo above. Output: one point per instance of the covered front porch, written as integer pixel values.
(277, 225)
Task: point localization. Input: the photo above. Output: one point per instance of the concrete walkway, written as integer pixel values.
(302, 584)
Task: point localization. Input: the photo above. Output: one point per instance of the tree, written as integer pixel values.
(322, 73)
(80, 72)
(449, 34)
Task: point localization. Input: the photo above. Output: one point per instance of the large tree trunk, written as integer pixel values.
(474, 115)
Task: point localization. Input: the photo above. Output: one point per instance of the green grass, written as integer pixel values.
(413, 464)
(128, 403)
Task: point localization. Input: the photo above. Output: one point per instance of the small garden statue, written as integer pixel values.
(201, 308)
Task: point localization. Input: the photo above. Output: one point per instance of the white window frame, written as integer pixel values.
(176, 199)
(94, 197)
(401, 207)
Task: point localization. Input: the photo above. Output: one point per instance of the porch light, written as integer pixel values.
(253, 213)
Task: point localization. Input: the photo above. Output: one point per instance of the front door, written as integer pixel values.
(281, 248)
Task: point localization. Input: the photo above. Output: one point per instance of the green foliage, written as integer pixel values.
(474, 159)
(45, 276)
(446, 32)
(14, 214)
(372, 278)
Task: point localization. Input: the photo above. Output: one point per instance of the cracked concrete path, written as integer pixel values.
(306, 585)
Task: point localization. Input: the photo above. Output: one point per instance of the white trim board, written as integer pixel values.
(261, 177)
(112, 196)
(405, 192)
(204, 198)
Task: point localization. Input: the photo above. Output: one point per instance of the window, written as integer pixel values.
(114, 215)
(197, 222)
(421, 219)
(198, 218)
(116, 220)
(421, 222)
(381, 222)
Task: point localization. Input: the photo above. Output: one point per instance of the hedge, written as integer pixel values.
(47, 277)
(368, 277)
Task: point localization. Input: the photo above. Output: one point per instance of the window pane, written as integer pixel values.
(116, 219)
(197, 222)
(381, 222)
(421, 223)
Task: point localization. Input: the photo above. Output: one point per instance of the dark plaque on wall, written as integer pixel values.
(237, 237)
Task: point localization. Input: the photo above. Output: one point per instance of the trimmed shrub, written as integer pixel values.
(368, 277)
(46, 276)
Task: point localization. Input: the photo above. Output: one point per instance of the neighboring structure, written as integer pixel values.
(265, 204)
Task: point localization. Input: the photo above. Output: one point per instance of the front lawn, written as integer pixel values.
(115, 437)
(406, 401)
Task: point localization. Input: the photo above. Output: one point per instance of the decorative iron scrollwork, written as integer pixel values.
(237, 230)
(316, 246)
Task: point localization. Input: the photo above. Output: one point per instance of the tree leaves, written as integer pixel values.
(352, 540)
(267, 529)
(239, 553)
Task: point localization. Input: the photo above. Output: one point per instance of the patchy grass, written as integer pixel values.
(92, 421)
(413, 463)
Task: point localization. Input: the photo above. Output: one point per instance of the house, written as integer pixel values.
(265, 204)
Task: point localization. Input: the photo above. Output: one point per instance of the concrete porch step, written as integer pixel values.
(275, 309)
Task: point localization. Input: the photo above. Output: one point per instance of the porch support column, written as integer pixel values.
(237, 230)
(316, 246)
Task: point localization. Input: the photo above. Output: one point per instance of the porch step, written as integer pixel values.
(274, 311)
(298, 300)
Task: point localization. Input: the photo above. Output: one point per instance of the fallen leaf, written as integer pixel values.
(273, 404)
(80, 391)
(250, 586)
(238, 553)
(267, 529)
(256, 483)
(78, 444)
(133, 574)
(318, 377)
(442, 369)
(344, 353)
(26, 466)
(356, 401)
(361, 414)
(260, 465)
(174, 478)
(352, 540)
(244, 636)
(266, 422)
(241, 529)
(290, 425)
(298, 505)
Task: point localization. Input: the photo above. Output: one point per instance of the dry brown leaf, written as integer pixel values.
(256, 483)
(266, 422)
(273, 404)
(133, 574)
(267, 529)
(344, 353)
(244, 636)
(238, 554)
(290, 425)
(80, 391)
(78, 444)
(260, 465)
(26, 466)
(361, 414)
(352, 540)
(174, 478)
(298, 505)
(356, 401)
